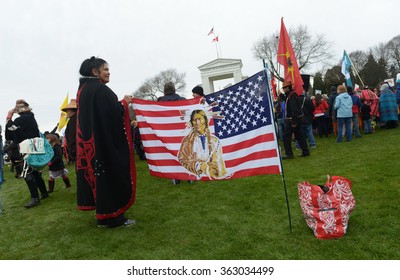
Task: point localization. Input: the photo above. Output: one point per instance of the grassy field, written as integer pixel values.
(235, 219)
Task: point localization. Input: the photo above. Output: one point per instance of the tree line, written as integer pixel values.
(371, 66)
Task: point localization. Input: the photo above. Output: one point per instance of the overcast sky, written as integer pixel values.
(43, 42)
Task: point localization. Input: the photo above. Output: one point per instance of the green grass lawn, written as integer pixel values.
(235, 219)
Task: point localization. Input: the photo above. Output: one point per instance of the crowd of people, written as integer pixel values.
(343, 113)
(101, 136)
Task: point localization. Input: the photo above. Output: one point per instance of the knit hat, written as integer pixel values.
(384, 86)
(198, 90)
(71, 105)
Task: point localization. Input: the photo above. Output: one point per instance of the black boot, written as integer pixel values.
(41, 186)
(67, 183)
(34, 202)
(51, 186)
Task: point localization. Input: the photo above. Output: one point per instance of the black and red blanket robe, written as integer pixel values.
(105, 166)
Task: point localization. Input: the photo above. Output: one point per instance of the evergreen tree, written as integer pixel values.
(373, 72)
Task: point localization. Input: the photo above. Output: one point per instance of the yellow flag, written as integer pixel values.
(63, 117)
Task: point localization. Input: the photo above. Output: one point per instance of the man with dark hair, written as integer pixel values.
(293, 121)
(171, 95)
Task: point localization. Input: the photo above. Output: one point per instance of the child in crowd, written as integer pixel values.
(56, 165)
(366, 115)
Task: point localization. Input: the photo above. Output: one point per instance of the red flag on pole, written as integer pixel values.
(287, 58)
(215, 39)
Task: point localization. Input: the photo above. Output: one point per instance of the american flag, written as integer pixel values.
(239, 116)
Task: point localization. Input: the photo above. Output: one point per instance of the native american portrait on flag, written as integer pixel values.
(227, 134)
(200, 151)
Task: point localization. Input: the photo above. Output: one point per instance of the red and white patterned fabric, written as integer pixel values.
(327, 212)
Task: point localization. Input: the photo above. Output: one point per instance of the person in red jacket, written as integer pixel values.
(321, 115)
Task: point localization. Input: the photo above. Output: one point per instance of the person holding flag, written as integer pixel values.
(105, 164)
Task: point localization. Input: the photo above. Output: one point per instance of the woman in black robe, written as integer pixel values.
(105, 166)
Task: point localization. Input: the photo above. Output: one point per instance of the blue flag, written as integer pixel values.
(346, 68)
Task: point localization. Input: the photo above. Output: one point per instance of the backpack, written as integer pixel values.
(39, 161)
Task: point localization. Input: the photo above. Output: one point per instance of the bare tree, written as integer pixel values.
(359, 59)
(308, 50)
(152, 88)
(381, 53)
(146, 91)
(394, 52)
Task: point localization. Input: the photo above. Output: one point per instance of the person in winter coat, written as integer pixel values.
(332, 125)
(22, 128)
(56, 164)
(388, 107)
(343, 106)
(171, 95)
(308, 108)
(321, 115)
(356, 111)
(293, 121)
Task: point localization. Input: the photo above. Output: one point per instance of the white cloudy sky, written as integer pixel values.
(43, 42)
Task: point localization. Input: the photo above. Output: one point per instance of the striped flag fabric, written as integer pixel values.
(228, 134)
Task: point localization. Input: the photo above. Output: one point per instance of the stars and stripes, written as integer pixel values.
(239, 116)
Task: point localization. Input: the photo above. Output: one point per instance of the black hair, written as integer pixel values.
(90, 63)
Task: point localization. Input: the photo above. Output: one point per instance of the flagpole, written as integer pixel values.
(219, 46)
(215, 41)
(277, 142)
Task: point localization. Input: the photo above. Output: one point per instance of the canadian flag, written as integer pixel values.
(215, 39)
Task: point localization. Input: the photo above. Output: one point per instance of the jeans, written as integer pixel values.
(355, 125)
(341, 122)
(367, 126)
(281, 128)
